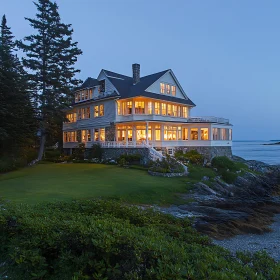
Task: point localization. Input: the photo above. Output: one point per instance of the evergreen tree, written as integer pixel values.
(50, 59)
(17, 123)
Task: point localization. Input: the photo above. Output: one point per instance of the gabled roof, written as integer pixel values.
(126, 89)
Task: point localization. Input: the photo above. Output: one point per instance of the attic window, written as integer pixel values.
(101, 87)
(167, 89)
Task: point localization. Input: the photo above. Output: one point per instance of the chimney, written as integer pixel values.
(136, 73)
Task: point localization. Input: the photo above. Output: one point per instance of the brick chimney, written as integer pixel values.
(136, 73)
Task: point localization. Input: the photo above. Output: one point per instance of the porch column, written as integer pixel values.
(199, 134)
(210, 132)
(162, 132)
(126, 140)
(189, 133)
(147, 130)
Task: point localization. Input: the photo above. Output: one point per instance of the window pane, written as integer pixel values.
(185, 134)
(162, 88)
(168, 89)
(157, 108)
(158, 134)
(119, 108)
(163, 109)
(173, 89)
(169, 110)
(129, 107)
(139, 107)
(204, 134)
(96, 111)
(88, 135)
(194, 133)
(102, 134)
(150, 107)
(185, 112)
(96, 135)
(101, 110)
(174, 109)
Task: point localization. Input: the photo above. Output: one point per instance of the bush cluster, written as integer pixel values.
(192, 156)
(109, 240)
(167, 165)
(227, 168)
(130, 159)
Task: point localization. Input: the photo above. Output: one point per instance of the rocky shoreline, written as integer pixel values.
(247, 206)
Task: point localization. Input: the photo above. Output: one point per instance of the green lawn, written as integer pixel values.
(52, 182)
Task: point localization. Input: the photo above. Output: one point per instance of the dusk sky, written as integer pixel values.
(225, 54)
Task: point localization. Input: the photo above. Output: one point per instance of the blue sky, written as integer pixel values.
(226, 54)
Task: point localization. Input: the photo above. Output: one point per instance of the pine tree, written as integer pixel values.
(50, 59)
(17, 123)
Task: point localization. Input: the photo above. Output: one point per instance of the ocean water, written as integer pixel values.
(256, 150)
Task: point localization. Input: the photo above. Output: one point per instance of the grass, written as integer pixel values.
(64, 182)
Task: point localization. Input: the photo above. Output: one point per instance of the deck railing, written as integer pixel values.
(118, 144)
(208, 119)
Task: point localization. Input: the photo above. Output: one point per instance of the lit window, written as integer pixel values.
(71, 117)
(169, 110)
(79, 97)
(101, 110)
(82, 95)
(88, 135)
(96, 135)
(179, 111)
(173, 90)
(102, 134)
(185, 112)
(194, 133)
(129, 107)
(83, 113)
(141, 133)
(96, 111)
(123, 108)
(179, 133)
(157, 108)
(162, 88)
(174, 109)
(204, 134)
(119, 108)
(185, 134)
(139, 107)
(167, 89)
(150, 108)
(158, 132)
(223, 134)
(70, 136)
(86, 94)
(163, 109)
(83, 135)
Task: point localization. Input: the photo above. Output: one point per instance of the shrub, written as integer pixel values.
(108, 240)
(8, 164)
(167, 165)
(131, 159)
(122, 162)
(79, 152)
(52, 155)
(223, 163)
(194, 157)
(95, 152)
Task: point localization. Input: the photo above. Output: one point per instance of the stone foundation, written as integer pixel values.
(210, 152)
(115, 153)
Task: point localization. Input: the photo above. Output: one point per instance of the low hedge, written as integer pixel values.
(97, 239)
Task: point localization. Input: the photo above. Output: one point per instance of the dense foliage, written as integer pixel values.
(167, 165)
(192, 156)
(50, 58)
(17, 117)
(227, 168)
(108, 240)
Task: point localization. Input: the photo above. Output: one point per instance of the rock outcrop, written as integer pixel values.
(247, 206)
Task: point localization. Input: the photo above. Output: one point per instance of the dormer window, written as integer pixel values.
(168, 89)
(82, 95)
(173, 90)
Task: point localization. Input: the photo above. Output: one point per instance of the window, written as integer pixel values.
(224, 134)
(167, 89)
(141, 132)
(158, 132)
(185, 112)
(163, 109)
(123, 108)
(86, 95)
(71, 117)
(204, 134)
(173, 90)
(162, 88)
(169, 110)
(101, 110)
(194, 133)
(119, 108)
(70, 136)
(96, 111)
(157, 108)
(102, 134)
(139, 107)
(96, 134)
(179, 111)
(174, 109)
(185, 134)
(150, 108)
(170, 133)
(86, 135)
(129, 107)
(215, 134)
(83, 95)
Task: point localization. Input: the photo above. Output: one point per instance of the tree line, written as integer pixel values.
(36, 88)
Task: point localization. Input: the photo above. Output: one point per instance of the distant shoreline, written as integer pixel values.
(269, 144)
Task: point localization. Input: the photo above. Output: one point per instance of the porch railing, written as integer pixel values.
(208, 119)
(119, 144)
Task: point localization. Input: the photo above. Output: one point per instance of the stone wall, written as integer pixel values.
(114, 153)
(210, 152)
(110, 132)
